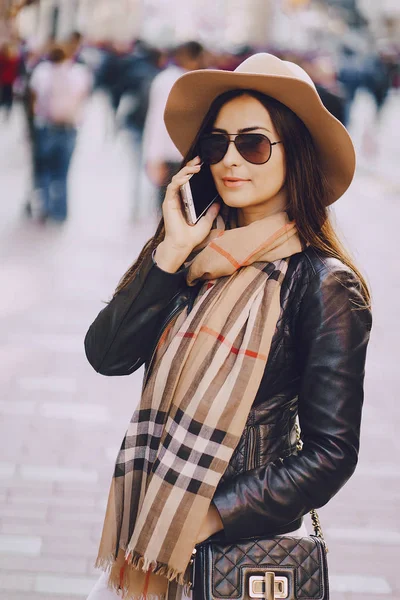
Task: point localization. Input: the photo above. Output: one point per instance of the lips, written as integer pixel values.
(234, 182)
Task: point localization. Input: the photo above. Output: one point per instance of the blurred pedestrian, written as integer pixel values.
(376, 79)
(9, 71)
(161, 157)
(112, 74)
(144, 66)
(60, 89)
(31, 57)
(350, 76)
(322, 72)
(73, 46)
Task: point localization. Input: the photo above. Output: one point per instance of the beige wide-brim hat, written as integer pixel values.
(192, 95)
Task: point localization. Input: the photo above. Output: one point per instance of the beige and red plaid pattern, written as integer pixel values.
(194, 407)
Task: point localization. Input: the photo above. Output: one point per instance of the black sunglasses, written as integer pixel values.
(256, 148)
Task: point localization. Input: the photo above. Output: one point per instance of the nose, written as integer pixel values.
(232, 157)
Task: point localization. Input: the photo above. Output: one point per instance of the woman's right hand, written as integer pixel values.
(181, 238)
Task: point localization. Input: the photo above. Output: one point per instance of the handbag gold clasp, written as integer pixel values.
(269, 586)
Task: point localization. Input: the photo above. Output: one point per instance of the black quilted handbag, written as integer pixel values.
(278, 567)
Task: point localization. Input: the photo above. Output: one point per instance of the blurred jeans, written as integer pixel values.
(53, 149)
(6, 97)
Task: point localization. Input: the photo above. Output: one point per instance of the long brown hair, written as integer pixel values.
(307, 187)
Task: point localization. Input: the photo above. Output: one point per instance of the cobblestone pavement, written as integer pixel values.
(61, 423)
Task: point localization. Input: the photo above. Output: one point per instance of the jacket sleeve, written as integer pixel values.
(332, 336)
(123, 335)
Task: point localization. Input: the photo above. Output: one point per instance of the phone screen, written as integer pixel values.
(203, 189)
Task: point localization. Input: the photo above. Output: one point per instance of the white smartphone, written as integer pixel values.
(198, 194)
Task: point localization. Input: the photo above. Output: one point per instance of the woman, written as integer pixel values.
(245, 321)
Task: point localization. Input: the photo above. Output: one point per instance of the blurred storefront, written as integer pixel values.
(96, 19)
(218, 23)
(300, 25)
(384, 17)
(164, 22)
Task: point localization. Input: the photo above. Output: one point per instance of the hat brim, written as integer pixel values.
(193, 93)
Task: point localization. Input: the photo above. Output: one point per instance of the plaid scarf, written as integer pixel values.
(194, 406)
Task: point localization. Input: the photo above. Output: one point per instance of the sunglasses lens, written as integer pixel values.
(212, 148)
(254, 147)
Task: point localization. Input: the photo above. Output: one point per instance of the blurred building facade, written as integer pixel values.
(162, 22)
(296, 24)
(384, 18)
(96, 19)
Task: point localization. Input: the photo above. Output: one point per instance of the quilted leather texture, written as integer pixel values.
(304, 557)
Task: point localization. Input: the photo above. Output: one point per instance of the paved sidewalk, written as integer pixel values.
(61, 423)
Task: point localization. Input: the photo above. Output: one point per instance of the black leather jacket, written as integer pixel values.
(315, 369)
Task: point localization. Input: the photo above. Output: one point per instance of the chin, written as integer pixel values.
(236, 200)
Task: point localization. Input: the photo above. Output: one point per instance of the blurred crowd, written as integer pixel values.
(54, 84)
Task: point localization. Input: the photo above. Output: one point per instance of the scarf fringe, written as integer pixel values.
(139, 562)
(121, 581)
(105, 563)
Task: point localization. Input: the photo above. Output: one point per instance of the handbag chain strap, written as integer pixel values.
(313, 513)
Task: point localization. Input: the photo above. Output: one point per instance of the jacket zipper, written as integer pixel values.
(251, 448)
(163, 326)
